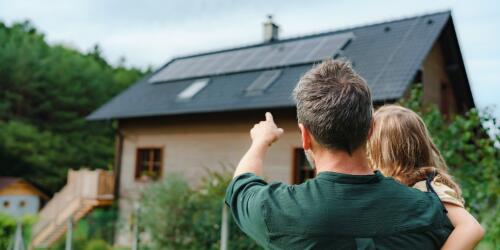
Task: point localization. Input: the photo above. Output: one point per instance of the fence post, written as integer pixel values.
(135, 243)
(224, 229)
(18, 242)
(69, 234)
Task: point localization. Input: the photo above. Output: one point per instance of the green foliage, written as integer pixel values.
(46, 92)
(7, 229)
(94, 231)
(26, 149)
(467, 142)
(97, 245)
(8, 226)
(179, 217)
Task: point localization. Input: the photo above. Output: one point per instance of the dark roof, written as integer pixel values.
(387, 55)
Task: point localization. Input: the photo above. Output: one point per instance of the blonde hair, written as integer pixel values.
(400, 146)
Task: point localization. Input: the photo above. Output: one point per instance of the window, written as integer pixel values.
(6, 204)
(22, 204)
(149, 164)
(262, 82)
(302, 170)
(193, 89)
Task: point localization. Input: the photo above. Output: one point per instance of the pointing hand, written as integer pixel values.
(266, 132)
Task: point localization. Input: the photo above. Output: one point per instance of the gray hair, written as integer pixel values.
(334, 103)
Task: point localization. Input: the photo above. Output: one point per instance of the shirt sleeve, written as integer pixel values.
(244, 196)
(446, 194)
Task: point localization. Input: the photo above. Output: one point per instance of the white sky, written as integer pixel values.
(150, 32)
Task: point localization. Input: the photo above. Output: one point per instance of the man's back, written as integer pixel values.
(338, 211)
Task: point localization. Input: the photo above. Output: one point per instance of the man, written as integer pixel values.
(347, 205)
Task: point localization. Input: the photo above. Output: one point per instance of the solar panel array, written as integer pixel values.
(253, 58)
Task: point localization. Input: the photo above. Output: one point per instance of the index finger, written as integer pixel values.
(269, 117)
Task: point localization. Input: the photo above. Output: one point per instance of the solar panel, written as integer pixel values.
(278, 54)
(302, 51)
(261, 83)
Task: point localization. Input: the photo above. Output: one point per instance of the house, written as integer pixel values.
(19, 197)
(195, 112)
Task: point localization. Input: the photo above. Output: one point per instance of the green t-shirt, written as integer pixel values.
(338, 211)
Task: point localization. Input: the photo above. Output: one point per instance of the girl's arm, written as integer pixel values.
(467, 233)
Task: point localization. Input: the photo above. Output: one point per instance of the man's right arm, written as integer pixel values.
(245, 196)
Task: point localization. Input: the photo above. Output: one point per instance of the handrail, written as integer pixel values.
(82, 184)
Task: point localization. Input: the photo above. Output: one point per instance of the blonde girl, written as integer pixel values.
(400, 146)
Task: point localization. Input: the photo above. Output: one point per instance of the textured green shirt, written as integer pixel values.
(338, 211)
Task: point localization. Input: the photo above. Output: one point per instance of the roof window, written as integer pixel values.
(259, 85)
(193, 89)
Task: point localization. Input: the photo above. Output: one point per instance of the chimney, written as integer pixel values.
(270, 30)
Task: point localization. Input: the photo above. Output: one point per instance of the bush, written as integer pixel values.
(469, 143)
(97, 245)
(176, 216)
(7, 229)
(94, 231)
(8, 226)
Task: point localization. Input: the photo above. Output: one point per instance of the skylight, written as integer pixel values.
(193, 89)
(262, 82)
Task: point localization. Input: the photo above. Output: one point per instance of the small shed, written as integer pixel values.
(18, 197)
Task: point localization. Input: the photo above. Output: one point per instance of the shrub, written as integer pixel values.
(97, 245)
(7, 229)
(94, 231)
(469, 143)
(8, 226)
(178, 217)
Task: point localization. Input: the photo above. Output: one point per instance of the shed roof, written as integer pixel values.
(6, 182)
(387, 55)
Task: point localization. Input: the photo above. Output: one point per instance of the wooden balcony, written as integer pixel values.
(85, 190)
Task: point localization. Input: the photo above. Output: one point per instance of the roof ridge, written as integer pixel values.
(314, 34)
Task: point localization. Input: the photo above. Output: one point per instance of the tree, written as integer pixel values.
(46, 92)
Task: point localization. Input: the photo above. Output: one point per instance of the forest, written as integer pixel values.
(46, 91)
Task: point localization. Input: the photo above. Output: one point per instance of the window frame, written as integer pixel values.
(295, 163)
(137, 176)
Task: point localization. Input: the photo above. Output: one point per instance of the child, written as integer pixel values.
(400, 146)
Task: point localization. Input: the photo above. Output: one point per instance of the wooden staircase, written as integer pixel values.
(85, 190)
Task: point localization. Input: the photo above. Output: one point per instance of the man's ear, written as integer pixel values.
(306, 137)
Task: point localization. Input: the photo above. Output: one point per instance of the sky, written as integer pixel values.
(151, 32)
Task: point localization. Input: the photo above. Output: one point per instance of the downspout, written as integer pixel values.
(118, 160)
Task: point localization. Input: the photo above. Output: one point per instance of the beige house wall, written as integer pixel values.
(192, 147)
